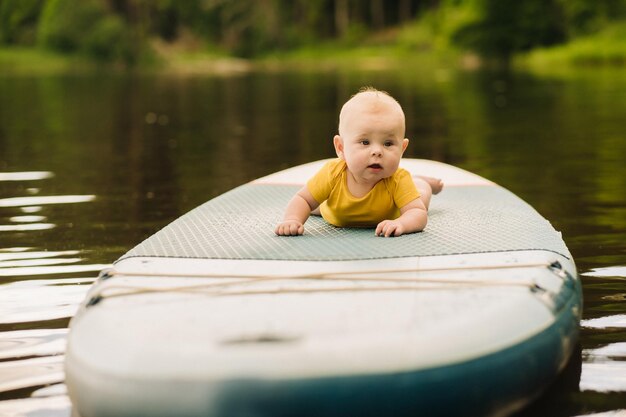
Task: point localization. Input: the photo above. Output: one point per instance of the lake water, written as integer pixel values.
(92, 164)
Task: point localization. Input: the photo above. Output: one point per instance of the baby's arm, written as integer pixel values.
(413, 218)
(297, 212)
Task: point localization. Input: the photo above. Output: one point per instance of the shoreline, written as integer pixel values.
(583, 54)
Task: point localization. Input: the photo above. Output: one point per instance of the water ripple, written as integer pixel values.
(35, 342)
(26, 227)
(45, 200)
(611, 271)
(25, 176)
(37, 300)
(24, 253)
(27, 219)
(59, 406)
(606, 322)
(604, 369)
(29, 373)
(38, 262)
(50, 270)
(31, 209)
(14, 249)
(607, 376)
(611, 351)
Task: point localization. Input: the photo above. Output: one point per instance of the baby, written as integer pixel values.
(364, 187)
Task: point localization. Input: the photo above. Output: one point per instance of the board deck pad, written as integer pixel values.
(240, 225)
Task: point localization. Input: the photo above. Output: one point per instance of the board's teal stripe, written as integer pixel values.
(240, 225)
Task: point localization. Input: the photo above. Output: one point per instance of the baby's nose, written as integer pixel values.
(377, 150)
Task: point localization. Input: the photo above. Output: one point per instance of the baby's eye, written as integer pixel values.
(388, 143)
(365, 142)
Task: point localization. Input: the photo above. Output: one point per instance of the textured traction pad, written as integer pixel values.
(240, 225)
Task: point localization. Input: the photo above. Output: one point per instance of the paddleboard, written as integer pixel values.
(215, 315)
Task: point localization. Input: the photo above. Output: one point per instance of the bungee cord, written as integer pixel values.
(226, 288)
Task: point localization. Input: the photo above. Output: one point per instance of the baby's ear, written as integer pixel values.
(338, 142)
(405, 143)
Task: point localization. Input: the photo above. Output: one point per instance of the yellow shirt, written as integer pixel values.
(340, 208)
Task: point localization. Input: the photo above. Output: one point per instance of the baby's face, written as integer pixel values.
(371, 136)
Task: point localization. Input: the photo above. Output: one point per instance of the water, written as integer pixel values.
(92, 164)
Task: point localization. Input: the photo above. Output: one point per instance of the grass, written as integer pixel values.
(420, 43)
(606, 48)
(34, 61)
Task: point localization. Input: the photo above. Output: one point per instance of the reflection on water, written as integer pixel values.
(606, 322)
(48, 270)
(91, 165)
(31, 348)
(27, 219)
(604, 369)
(24, 343)
(52, 406)
(606, 376)
(25, 227)
(611, 271)
(37, 300)
(38, 201)
(30, 209)
(37, 262)
(24, 253)
(25, 176)
(18, 374)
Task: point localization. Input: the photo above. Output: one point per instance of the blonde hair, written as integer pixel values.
(365, 90)
(370, 89)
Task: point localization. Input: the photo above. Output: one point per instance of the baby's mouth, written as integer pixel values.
(375, 166)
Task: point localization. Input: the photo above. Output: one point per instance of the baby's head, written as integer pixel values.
(370, 100)
(371, 134)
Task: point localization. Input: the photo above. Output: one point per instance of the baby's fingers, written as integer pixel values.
(385, 228)
(390, 229)
(379, 228)
(289, 229)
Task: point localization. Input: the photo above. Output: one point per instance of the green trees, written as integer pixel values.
(85, 26)
(122, 30)
(584, 16)
(503, 27)
(18, 20)
(69, 26)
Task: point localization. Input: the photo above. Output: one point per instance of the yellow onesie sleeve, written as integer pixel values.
(323, 181)
(405, 190)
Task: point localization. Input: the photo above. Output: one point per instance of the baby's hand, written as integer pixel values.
(289, 228)
(388, 228)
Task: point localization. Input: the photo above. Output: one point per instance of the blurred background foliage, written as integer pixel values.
(134, 31)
